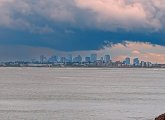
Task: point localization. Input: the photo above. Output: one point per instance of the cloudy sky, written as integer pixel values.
(134, 28)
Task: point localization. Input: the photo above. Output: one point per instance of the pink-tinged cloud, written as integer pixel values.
(102, 14)
(120, 13)
(136, 52)
(144, 51)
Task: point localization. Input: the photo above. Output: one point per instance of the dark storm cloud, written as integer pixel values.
(71, 25)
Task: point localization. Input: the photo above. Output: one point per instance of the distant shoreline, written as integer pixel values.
(82, 67)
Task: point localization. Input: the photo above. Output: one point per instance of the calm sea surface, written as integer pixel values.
(81, 94)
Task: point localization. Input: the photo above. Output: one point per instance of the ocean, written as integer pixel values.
(81, 93)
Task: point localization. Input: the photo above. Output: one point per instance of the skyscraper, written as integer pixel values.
(53, 59)
(127, 61)
(93, 57)
(63, 60)
(77, 59)
(107, 58)
(136, 61)
(69, 58)
(87, 59)
(42, 59)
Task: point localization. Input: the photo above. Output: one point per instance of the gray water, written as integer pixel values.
(81, 94)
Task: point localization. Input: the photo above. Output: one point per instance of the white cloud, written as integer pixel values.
(114, 14)
(102, 14)
(144, 51)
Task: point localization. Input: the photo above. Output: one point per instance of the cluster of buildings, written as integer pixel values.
(93, 60)
(137, 63)
(89, 61)
(76, 59)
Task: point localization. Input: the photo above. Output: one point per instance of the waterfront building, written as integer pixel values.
(77, 59)
(149, 64)
(93, 57)
(143, 64)
(107, 58)
(99, 62)
(127, 61)
(53, 59)
(43, 59)
(87, 59)
(102, 59)
(63, 60)
(117, 64)
(69, 58)
(136, 62)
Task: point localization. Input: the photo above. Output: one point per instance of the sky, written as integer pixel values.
(133, 28)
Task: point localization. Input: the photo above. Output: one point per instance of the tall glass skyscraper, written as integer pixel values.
(136, 61)
(93, 57)
(107, 58)
(127, 61)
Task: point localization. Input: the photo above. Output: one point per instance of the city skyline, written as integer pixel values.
(118, 52)
(87, 61)
(92, 58)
